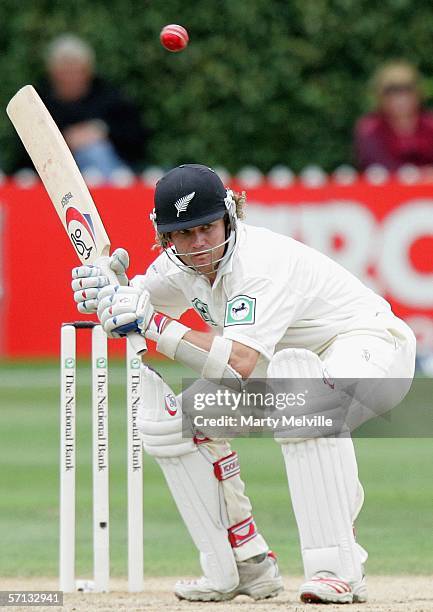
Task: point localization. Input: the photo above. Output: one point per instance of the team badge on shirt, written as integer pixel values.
(203, 310)
(241, 310)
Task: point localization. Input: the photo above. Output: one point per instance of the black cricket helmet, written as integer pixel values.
(192, 195)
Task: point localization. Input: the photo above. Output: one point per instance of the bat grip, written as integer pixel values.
(135, 339)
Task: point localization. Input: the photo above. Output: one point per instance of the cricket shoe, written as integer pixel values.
(326, 587)
(259, 578)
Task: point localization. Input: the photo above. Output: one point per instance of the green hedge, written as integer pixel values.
(262, 81)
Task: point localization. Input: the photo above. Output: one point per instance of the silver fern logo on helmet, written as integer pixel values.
(182, 203)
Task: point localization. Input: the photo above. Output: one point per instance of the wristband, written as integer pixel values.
(169, 340)
(156, 326)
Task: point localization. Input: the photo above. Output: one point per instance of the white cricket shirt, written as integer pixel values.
(273, 293)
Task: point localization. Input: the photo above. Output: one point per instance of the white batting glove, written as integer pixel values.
(119, 263)
(88, 280)
(122, 310)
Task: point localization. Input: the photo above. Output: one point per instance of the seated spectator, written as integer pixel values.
(101, 127)
(400, 130)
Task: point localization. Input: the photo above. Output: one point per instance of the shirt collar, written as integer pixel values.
(227, 267)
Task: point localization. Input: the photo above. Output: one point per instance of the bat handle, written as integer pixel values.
(138, 343)
(136, 340)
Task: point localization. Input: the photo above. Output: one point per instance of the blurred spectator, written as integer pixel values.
(400, 130)
(101, 126)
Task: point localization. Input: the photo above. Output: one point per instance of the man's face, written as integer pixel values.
(201, 238)
(70, 78)
(400, 101)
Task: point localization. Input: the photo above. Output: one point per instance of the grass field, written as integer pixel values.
(395, 524)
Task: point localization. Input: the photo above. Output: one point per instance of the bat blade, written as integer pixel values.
(59, 173)
(65, 185)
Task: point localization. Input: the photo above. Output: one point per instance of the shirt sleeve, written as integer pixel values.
(165, 296)
(260, 314)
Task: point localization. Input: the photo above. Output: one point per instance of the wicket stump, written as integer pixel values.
(101, 555)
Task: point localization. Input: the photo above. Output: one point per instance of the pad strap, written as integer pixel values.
(242, 532)
(200, 438)
(227, 467)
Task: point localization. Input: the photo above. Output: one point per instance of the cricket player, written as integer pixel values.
(276, 308)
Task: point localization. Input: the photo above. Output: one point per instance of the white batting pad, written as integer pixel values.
(324, 487)
(299, 365)
(199, 500)
(326, 498)
(295, 363)
(191, 479)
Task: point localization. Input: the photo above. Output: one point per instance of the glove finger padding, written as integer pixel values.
(86, 271)
(87, 307)
(119, 263)
(123, 309)
(114, 300)
(116, 291)
(144, 307)
(126, 305)
(110, 295)
(90, 282)
(85, 295)
(104, 309)
(86, 282)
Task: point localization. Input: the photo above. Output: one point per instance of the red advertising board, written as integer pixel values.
(383, 234)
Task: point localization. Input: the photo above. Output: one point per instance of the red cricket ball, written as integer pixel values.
(174, 37)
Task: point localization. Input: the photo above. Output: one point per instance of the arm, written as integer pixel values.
(193, 347)
(213, 357)
(243, 359)
(226, 357)
(125, 309)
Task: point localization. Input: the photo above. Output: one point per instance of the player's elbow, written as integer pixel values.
(243, 359)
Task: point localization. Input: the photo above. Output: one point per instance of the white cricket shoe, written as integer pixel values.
(258, 577)
(326, 587)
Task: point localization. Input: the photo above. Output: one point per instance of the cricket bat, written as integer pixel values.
(64, 183)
